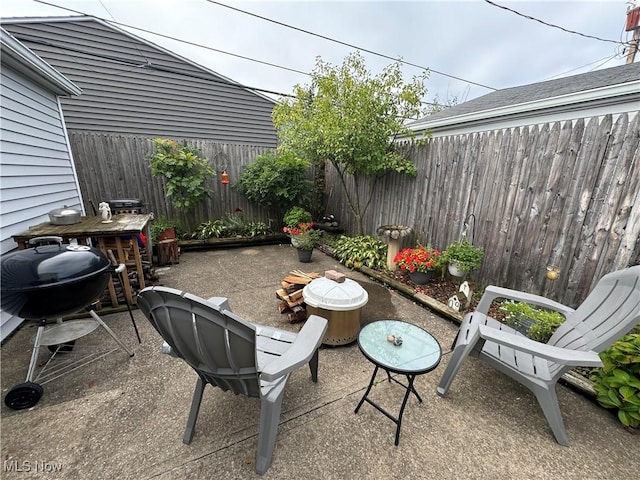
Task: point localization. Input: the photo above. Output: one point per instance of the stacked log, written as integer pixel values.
(290, 297)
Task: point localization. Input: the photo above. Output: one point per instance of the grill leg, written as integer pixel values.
(36, 349)
(110, 332)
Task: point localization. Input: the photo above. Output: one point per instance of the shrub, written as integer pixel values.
(536, 323)
(212, 228)
(618, 381)
(184, 169)
(275, 180)
(295, 216)
(360, 251)
(253, 229)
(232, 225)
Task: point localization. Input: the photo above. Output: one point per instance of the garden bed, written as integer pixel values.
(229, 242)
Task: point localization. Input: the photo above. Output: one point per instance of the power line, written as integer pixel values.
(176, 39)
(324, 37)
(146, 65)
(205, 47)
(607, 58)
(603, 63)
(552, 25)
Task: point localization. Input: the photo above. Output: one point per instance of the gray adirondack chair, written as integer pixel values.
(233, 354)
(610, 311)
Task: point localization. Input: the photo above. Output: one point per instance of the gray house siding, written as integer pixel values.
(133, 87)
(36, 169)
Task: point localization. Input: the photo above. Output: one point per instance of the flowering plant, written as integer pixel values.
(303, 235)
(419, 259)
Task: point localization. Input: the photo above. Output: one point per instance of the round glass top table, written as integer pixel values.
(402, 348)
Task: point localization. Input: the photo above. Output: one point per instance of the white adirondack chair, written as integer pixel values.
(610, 311)
(233, 354)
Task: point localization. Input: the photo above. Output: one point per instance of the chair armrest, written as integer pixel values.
(301, 350)
(221, 302)
(492, 292)
(565, 356)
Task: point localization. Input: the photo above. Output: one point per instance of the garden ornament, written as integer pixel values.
(104, 208)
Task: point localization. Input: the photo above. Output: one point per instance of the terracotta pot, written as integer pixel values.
(167, 234)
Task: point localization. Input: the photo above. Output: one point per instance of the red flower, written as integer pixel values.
(303, 236)
(420, 259)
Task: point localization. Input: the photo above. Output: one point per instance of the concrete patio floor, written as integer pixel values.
(123, 418)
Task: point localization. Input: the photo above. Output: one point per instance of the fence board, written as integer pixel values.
(116, 166)
(553, 194)
(627, 222)
(562, 194)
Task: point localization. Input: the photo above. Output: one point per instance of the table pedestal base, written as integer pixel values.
(409, 389)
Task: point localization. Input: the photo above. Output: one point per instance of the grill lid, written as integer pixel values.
(48, 265)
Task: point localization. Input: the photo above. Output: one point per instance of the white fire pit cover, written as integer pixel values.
(330, 295)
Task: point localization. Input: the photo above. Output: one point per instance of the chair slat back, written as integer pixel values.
(216, 343)
(610, 311)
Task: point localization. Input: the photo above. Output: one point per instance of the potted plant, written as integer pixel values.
(462, 257)
(304, 238)
(536, 323)
(162, 229)
(296, 215)
(420, 262)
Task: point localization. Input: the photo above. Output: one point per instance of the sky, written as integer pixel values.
(471, 47)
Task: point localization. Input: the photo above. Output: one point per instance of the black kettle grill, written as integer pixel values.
(49, 281)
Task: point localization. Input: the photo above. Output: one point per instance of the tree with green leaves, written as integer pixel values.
(350, 118)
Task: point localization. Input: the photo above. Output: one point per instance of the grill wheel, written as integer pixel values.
(24, 395)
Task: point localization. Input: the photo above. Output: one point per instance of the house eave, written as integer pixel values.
(113, 26)
(594, 100)
(17, 56)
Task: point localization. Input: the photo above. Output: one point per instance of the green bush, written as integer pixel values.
(360, 251)
(536, 323)
(232, 225)
(295, 216)
(618, 381)
(275, 180)
(256, 228)
(210, 229)
(184, 169)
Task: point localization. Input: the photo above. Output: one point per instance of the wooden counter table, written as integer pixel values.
(120, 236)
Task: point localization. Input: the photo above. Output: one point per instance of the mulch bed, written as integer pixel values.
(442, 289)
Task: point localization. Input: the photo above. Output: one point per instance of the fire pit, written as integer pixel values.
(49, 281)
(340, 304)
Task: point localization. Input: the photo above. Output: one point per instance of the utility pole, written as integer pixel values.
(633, 23)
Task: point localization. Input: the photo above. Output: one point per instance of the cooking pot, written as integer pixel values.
(64, 216)
(50, 281)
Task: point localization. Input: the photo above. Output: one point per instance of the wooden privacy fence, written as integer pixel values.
(117, 166)
(563, 194)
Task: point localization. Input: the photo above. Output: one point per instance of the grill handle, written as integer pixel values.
(52, 240)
